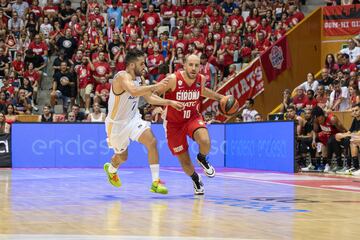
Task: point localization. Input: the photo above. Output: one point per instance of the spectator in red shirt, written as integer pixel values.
(197, 10)
(261, 44)
(18, 64)
(299, 99)
(149, 42)
(210, 45)
(253, 19)
(153, 62)
(310, 101)
(236, 19)
(350, 67)
(85, 81)
(182, 11)
(132, 28)
(98, 17)
(34, 77)
(226, 55)
(102, 92)
(39, 47)
(120, 58)
(331, 64)
(151, 20)
(168, 14)
(198, 39)
(101, 68)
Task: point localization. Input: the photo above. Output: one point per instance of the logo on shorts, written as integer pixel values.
(178, 149)
(140, 126)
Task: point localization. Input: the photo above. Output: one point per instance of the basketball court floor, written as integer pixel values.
(81, 204)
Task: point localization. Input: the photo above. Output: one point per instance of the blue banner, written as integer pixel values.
(84, 145)
(261, 146)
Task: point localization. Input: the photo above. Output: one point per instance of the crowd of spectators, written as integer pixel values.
(321, 135)
(79, 48)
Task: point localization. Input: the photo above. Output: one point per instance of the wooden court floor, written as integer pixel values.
(80, 204)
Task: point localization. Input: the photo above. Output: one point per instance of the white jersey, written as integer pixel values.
(123, 122)
(123, 107)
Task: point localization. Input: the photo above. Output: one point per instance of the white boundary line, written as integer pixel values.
(269, 182)
(106, 237)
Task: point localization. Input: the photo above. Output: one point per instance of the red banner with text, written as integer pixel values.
(341, 20)
(247, 84)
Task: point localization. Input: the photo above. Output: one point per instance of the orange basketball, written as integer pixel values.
(229, 105)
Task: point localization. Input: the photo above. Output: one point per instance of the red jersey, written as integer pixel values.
(189, 95)
(327, 127)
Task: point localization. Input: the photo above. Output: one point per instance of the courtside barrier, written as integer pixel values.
(83, 145)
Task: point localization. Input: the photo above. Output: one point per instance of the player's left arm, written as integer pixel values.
(206, 92)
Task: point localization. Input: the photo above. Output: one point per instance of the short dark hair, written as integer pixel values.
(133, 55)
(317, 112)
(311, 91)
(336, 82)
(291, 107)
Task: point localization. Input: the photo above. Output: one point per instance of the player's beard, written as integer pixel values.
(138, 72)
(188, 75)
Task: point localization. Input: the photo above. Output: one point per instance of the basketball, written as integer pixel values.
(229, 105)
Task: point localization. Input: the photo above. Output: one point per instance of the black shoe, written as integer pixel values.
(208, 169)
(199, 187)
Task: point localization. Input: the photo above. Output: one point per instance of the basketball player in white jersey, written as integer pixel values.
(124, 122)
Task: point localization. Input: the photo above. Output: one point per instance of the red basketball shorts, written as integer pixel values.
(176, 134)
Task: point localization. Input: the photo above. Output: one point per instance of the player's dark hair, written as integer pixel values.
(132, 56)
(317, 112)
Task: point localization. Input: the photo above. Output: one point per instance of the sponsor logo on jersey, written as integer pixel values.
(180, 82)
(187, 95)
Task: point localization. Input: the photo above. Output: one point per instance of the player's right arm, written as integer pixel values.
(169, 84)
(123, 82)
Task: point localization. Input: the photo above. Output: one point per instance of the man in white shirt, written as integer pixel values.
(353, 51)
(339, 98)
(249, 112)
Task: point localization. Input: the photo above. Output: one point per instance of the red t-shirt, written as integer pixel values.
(154, 61)
(228, 58)
(84, 75)
(235, 20)
(32, 76)
(181, 43)
(18, 65)
(39, 48)
(151, 21)
(101, 69)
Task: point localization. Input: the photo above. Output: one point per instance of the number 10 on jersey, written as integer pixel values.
(187, 114)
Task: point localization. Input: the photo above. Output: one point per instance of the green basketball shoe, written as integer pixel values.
(158, 187)
(113, 177)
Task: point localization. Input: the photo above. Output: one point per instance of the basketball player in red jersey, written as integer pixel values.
(327, 126)
(188, 87)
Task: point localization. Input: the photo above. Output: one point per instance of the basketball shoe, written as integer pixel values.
(112, 177)
(158, 187)
(209, 170)
(199, 187)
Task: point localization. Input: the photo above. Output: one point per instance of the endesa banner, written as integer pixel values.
(341, 20)
(247, 84)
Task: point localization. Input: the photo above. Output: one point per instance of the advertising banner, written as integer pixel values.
(247, 84)
(341, 20)
(261, 146)
(5, 150)
(84, 145)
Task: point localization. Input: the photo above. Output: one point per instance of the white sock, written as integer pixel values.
(155, 169)
(112, 169)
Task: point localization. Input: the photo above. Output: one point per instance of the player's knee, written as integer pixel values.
(152, 143)
(204, 141)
